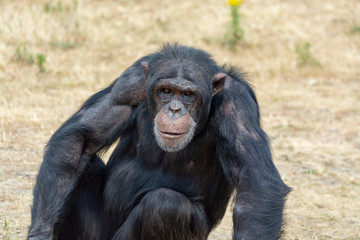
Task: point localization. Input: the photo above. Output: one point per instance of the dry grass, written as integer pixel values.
(312, 114)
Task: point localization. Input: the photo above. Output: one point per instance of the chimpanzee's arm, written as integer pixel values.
(97, 124)
(246, 159)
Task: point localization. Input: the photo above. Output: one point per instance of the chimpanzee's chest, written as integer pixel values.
(138, 165)
(138, 161)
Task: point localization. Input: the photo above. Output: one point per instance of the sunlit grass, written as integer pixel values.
(304, 55)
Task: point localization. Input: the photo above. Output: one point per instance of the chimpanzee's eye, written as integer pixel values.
(188, 93)
(166, 90)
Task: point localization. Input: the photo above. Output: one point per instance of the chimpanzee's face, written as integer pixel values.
(177, 105)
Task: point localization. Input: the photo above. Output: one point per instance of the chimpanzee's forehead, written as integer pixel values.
(187, 70)
(177, 83)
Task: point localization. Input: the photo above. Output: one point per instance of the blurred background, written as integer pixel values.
(302, 57)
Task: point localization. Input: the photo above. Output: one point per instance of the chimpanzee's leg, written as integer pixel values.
(164, 214)
(82, 219)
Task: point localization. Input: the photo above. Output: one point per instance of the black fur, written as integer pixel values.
(144, 192)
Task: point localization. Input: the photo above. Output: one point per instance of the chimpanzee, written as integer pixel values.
(190, 136)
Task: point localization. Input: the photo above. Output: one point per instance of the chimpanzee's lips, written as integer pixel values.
(171, 134)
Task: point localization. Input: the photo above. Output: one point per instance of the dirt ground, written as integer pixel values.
(310, 109)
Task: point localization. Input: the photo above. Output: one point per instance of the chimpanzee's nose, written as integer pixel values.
(175, 106)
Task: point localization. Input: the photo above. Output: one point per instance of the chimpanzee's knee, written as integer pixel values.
(165, 214)
(168, 214)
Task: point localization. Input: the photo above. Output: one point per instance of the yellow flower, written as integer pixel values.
(236, 2)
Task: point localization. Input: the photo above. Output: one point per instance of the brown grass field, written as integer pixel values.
(310, 112)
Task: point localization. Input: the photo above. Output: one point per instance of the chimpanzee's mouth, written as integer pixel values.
(172, 134)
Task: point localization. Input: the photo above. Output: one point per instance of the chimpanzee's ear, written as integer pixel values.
(220, 81)
(146, 70)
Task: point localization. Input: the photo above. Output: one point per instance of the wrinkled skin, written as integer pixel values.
(190, 136)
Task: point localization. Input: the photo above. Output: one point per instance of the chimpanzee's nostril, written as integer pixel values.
(175, 106)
